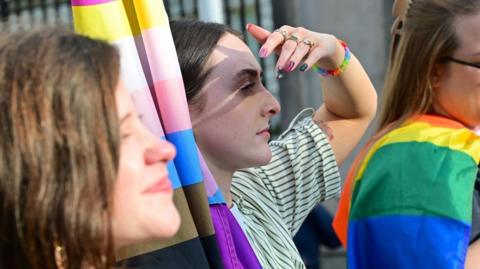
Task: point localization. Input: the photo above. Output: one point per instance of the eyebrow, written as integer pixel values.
(250, 72)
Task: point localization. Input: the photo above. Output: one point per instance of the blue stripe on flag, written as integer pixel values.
(216, 198)
(186, 161)
(173, 175)
(407, 241)
(172, 172)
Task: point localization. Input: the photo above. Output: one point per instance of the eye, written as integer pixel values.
(248, 87)
(125, 135)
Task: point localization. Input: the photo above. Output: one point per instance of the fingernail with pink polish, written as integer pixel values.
(263, 53)
(290, 65)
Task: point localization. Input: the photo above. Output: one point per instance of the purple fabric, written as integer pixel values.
(235, 249)
(88, 2)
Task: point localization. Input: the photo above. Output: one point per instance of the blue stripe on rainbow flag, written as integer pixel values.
(186, 161)
(423, 242)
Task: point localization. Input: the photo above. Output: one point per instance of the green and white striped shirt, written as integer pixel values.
(275, 199)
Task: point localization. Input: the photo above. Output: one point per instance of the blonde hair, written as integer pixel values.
(426, 38)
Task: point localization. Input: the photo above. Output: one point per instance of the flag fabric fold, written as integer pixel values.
(407, 201)
(150, 71)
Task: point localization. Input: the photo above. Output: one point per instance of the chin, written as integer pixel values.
(264, 158)
(169, 224)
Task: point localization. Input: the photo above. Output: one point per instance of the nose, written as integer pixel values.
(271, 106)
(159, 150)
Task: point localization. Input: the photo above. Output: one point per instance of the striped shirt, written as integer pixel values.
(275, 199)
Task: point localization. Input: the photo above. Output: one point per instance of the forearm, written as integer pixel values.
(350, 103)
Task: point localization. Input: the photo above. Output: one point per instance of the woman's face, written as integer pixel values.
(143, 205)
(232, 129)
(458, 86)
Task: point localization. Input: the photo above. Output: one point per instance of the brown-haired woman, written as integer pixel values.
(271, 187)
(79, 174)
(408, 198)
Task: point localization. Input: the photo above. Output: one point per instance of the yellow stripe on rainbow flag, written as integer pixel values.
(462, 140)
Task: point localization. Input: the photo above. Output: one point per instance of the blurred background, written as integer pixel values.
(363, 24)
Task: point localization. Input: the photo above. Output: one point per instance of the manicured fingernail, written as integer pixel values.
(279, 74)
(290, 65)
(303, 67)
(263, 53)
(248, 26)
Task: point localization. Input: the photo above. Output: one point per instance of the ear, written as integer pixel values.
(436, 76)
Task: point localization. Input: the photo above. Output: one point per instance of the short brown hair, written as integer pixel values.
(59, 149)
(427, 36)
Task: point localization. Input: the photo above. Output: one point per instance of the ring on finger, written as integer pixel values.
(293, 37)
(283, 33)
(309, 43)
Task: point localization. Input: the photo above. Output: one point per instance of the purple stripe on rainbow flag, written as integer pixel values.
(407, 241)
(89, 2)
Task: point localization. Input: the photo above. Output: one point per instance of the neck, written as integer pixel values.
(438, 110)
(223, 177)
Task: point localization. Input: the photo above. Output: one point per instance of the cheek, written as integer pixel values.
(215, 136)
(124, 193)
(128, 185)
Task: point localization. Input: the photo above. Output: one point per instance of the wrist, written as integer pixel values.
(340, 68)
(334, 57)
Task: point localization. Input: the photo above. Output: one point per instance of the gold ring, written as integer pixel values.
(283, 33)
(309, 43)
(293, 37)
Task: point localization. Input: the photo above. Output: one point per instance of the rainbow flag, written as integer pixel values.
(209, 236)
(407, 202)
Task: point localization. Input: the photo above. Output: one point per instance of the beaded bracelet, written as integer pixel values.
(340, 69)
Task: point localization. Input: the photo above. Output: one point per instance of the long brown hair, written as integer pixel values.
(427, 36)
(59, 149)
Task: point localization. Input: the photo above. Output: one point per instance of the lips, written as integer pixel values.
(266, 130)
(265, 133)
(163, 185)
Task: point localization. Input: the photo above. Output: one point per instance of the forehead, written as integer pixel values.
(468, 33)
(232, 55)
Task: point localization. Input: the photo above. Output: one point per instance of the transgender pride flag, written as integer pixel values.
(209, 236)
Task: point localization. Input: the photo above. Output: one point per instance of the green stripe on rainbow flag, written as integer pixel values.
(416, 178)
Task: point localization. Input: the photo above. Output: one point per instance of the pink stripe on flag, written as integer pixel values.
(208, 180)
(89, 2)
(161, 53)
(173, 105)
(146, 110)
